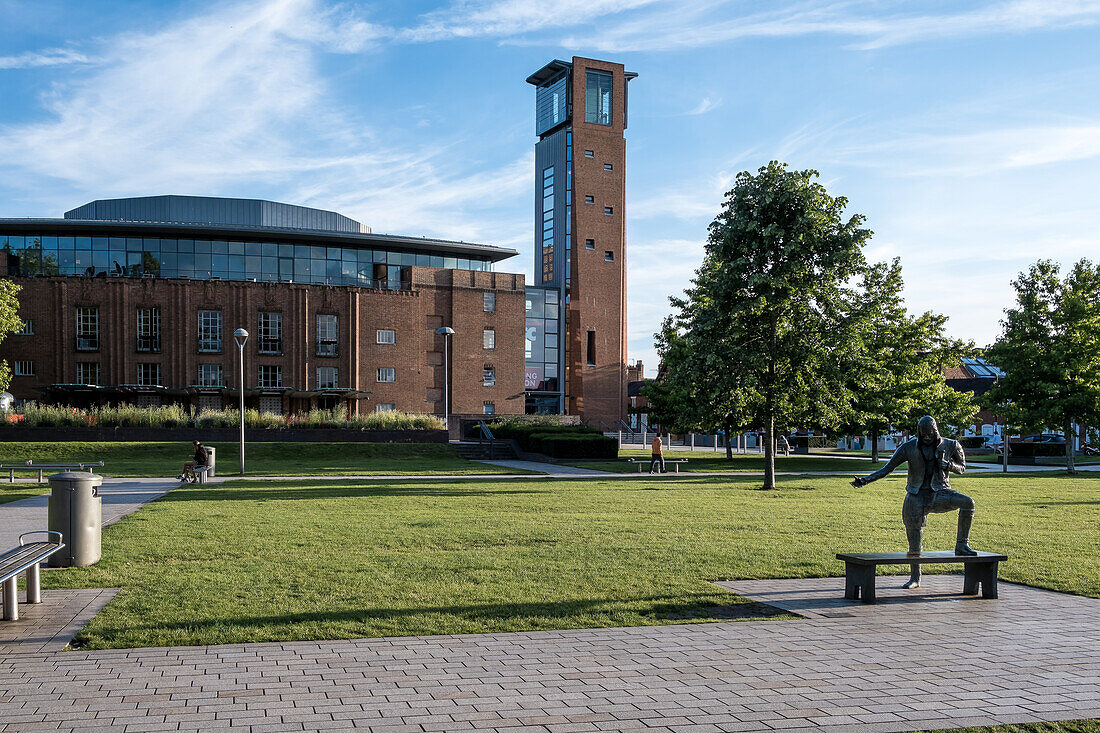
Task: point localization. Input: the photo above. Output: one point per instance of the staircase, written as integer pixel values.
(502, 450)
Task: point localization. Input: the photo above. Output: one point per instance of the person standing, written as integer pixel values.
(657, 457)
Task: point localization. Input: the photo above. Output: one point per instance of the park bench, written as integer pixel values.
(25, 558)
(859, 570)
(41, 468)
(645, 462)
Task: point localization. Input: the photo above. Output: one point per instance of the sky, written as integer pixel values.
(968, 133)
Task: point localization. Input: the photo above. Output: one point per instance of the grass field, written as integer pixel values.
(261, 459)
(259, 561)
(1062, 726)
(15, 492)
(700, 461)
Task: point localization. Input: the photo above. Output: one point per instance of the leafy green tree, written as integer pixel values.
(769, 325)
(9, 322)
(900, 372)
(1049, 349)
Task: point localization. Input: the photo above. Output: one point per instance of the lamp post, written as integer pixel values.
(240, 336)
(446, 332)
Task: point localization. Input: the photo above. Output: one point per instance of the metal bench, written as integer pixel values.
(42, 467)
(859, 570)
(645, 461)
(25, 558)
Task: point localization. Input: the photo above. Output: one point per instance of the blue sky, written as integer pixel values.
(967, 133)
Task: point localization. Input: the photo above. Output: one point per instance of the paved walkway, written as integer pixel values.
(942, 661)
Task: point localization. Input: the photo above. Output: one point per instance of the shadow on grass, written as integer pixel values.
(329, 491)
(566, 610)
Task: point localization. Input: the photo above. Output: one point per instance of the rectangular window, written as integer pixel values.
(87, 372)
(386, 336)
(23, 368)
(608, 210)
(386, 374)
(589, 153)
(489, 302)
(590, 244)
(609, 256)
(149, 375)
(597, 97)
(608, 166)
(591, 348)
(271, 333)
(210, 332)
(589, 199)
(328, 377)
(87, 329)
(385, 407)
(210, 375)
(489, 338)
(148, 329)
(328, 334)
(489, 375)
(26, 330)
(488, 408)
(271, 376)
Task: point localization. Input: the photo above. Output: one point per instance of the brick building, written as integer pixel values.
(580, 242)
(136, 300)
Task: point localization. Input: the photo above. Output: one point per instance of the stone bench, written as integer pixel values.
(859, 570)
(675, 462)
(24, 559)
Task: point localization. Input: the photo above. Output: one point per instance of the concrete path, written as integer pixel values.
(550, 469)
(917, 662)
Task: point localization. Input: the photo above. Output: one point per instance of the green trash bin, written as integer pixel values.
(76, 511)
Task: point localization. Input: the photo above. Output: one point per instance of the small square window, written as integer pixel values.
(590, 244)
(589, 200)
(490, 302)
(608, 166)
(589, 154)
(270, 376)
(608, 210)
(489, 338)
(386, 374)
(386, 336)
(149, 375)
(609, 256)
(210, 375)
(87, 372)
(328, 377)
(488, 409)
(26, 330)
(23, 369)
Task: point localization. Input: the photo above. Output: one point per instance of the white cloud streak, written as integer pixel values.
(47, 57)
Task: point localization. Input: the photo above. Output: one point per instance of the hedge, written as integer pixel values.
(565, 445)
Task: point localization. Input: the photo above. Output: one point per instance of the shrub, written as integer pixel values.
(565, 445)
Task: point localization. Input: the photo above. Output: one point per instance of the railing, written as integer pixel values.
(41, 467)
(487, 435)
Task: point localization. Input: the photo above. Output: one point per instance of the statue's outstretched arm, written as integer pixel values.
(895, 460)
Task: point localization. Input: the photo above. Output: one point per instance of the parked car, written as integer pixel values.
(1040, 438)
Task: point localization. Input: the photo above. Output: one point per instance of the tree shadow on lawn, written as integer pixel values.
(672, 610)
(330, 491)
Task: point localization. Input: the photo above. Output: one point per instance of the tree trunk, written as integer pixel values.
(769, 454)
(1069, 448)
(729, 448)
(874, 445)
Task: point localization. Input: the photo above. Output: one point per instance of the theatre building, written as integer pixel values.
(137, 300)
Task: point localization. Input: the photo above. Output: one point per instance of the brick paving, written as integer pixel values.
(49, 626)
(912, 662)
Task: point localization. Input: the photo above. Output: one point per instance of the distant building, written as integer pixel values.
(977, 376)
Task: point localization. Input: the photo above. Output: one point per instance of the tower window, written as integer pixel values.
(608, 210)
(597, 97)
(591, 348)
(609, 256)
(608, 167)
(589, 153)
(589, 200)
(590, 244)
(489, 303)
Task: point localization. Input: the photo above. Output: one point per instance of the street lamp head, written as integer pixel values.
(445, 331)
(240, 336)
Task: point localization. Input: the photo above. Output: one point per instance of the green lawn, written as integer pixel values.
(15, 492)
(261, 459)
(1062, 726)
(700, 461)
(260, 561)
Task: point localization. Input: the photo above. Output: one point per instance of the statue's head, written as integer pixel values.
(927, 431)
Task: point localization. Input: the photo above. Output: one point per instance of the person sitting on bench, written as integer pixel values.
(200, 460)
(928, 490)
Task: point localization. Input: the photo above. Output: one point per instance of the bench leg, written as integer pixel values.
(11, 601)
(859, 582)
(34, 586)
(984, 574)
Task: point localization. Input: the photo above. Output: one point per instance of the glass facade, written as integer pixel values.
(552, 104)
(542, 335)
(200, 259)
(597, 97)
(548, 224)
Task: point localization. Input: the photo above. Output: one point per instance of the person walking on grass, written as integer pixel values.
(657, 458)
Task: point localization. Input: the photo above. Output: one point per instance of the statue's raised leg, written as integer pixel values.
(915, 535)
(962, 537)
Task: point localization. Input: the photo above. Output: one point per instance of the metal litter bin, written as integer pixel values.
(210, 461)
(76, 511)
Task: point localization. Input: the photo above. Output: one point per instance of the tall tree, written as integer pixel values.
(900, 372)
(9, 322)
(767, 325)
(1049, 349)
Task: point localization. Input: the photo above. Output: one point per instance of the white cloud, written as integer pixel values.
(47, 57)
(706, 104)
(511, 17)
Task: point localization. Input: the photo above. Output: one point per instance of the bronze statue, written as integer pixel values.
(928, 490)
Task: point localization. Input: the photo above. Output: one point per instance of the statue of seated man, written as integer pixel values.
(928, 489)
